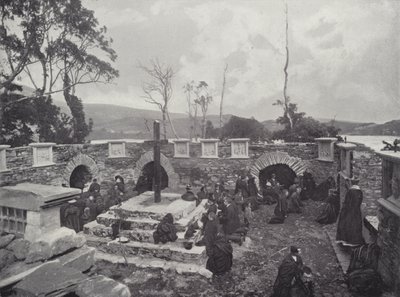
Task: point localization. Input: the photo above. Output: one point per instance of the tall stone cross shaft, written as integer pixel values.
(157, 165)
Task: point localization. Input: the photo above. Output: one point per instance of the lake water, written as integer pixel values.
(372, 141)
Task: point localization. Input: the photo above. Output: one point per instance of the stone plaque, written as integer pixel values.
(116, 149)
(326, 149)
(3, 161)
(209, 148)
(181, 148)
(239, 147)
(42, 154)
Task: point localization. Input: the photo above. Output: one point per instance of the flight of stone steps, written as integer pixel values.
(140, 218)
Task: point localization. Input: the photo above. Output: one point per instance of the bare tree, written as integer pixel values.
(203, 99)
(221, 103)
(158, 90)
(286, 99)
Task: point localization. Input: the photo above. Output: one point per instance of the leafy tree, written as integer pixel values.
(203, 99)
(58, 45)
(188, 89)
(211, 132)
(238, 127)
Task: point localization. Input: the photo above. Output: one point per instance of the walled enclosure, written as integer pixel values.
(181, 171)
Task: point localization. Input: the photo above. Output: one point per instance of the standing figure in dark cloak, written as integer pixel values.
(289, 273)
(242, 187)
(166, 231)
(253, 193)
(330, 211)
(294, 204)
(210, 232)
(119, 181)
(203, 193)
(322, 190)
(230, 219)
(349, 228)
(308, 188)
(220, 256)
(94, 188)
(280, 211)
(211, 206)
(72, 216)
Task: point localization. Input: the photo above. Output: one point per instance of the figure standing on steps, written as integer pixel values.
(349, 228)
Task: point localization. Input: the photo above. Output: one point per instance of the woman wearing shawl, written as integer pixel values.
(322, 190)
(220, 256)
(331, 209)
(166, 230)
(280, 211)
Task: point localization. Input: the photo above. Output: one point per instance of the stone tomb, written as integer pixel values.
(31, 210)
(140, 217)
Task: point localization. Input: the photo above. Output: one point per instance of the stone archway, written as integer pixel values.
(296, 164)
(173, 177)
(80, 160)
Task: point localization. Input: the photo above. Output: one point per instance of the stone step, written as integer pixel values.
(181, 268)
(171, 251)
(147, 235)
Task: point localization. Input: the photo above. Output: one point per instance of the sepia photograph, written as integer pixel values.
(200, 148)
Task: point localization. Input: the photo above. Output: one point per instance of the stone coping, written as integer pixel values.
(238, 139)
(42, 144)
(346, 145)
(389, 155)
(390, 204)
(209, 140)
(326, 139)
(116, 141)
(181, 140)
(32, 197)
(4, 146)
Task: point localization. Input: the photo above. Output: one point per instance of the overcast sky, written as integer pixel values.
(344, 55)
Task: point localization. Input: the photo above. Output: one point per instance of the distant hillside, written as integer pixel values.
(388, 128)
(346, 127)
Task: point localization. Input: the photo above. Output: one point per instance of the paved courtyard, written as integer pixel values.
(255, 262)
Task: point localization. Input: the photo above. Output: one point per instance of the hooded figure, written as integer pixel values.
(330, 212)
(166, 230)
(220, 256)
(349, 228)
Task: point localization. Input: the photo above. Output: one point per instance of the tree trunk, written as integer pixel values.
(203, 127)
(172, 125)
(164, 123)
(285, 70)
(222, 101)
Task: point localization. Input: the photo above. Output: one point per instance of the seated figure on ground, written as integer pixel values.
(242, 186)
(289, 273)
(322, 190)
(350, 225)
(189, 195)
(220, 256)
(330, 210)
(269, 195)
(166, 231)
(294, 203)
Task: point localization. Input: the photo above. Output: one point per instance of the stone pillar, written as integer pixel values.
(41, 222)
(42, 153)
(116, 149)
(3, 158)
(389, 221)
(326, 148)
(181, 148)
(345, 166)
(239, 148)
(209, 148)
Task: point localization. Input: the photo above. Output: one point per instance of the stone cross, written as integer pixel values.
(157, 165)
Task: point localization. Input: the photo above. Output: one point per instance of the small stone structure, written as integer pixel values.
(3, 160)
(31, 210)
(389, 221)
(209, 148)
(326, 151)
(239, 148)
(181, 148)
(116, 149)
(42, 153)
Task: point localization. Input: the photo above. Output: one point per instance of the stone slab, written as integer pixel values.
(144, 206)
(80, 259)
(50, 280)
(181, 268)
(96, 229)
(145, 223)
(101, 286)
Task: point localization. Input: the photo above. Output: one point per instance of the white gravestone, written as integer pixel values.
(181, 148)
(239, 148)
(209, 148)
(116, 149)
(42, 153)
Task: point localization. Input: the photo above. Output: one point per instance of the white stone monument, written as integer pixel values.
(326, 148)
(346, 158)
(116, 149)
(181, 148)
(209, 148)
(42, 153)
(3, 158)
(239, 148)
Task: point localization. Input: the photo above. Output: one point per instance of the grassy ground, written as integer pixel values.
(255, 262)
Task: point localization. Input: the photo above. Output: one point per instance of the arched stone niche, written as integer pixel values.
(173, 177)
(81, 159)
